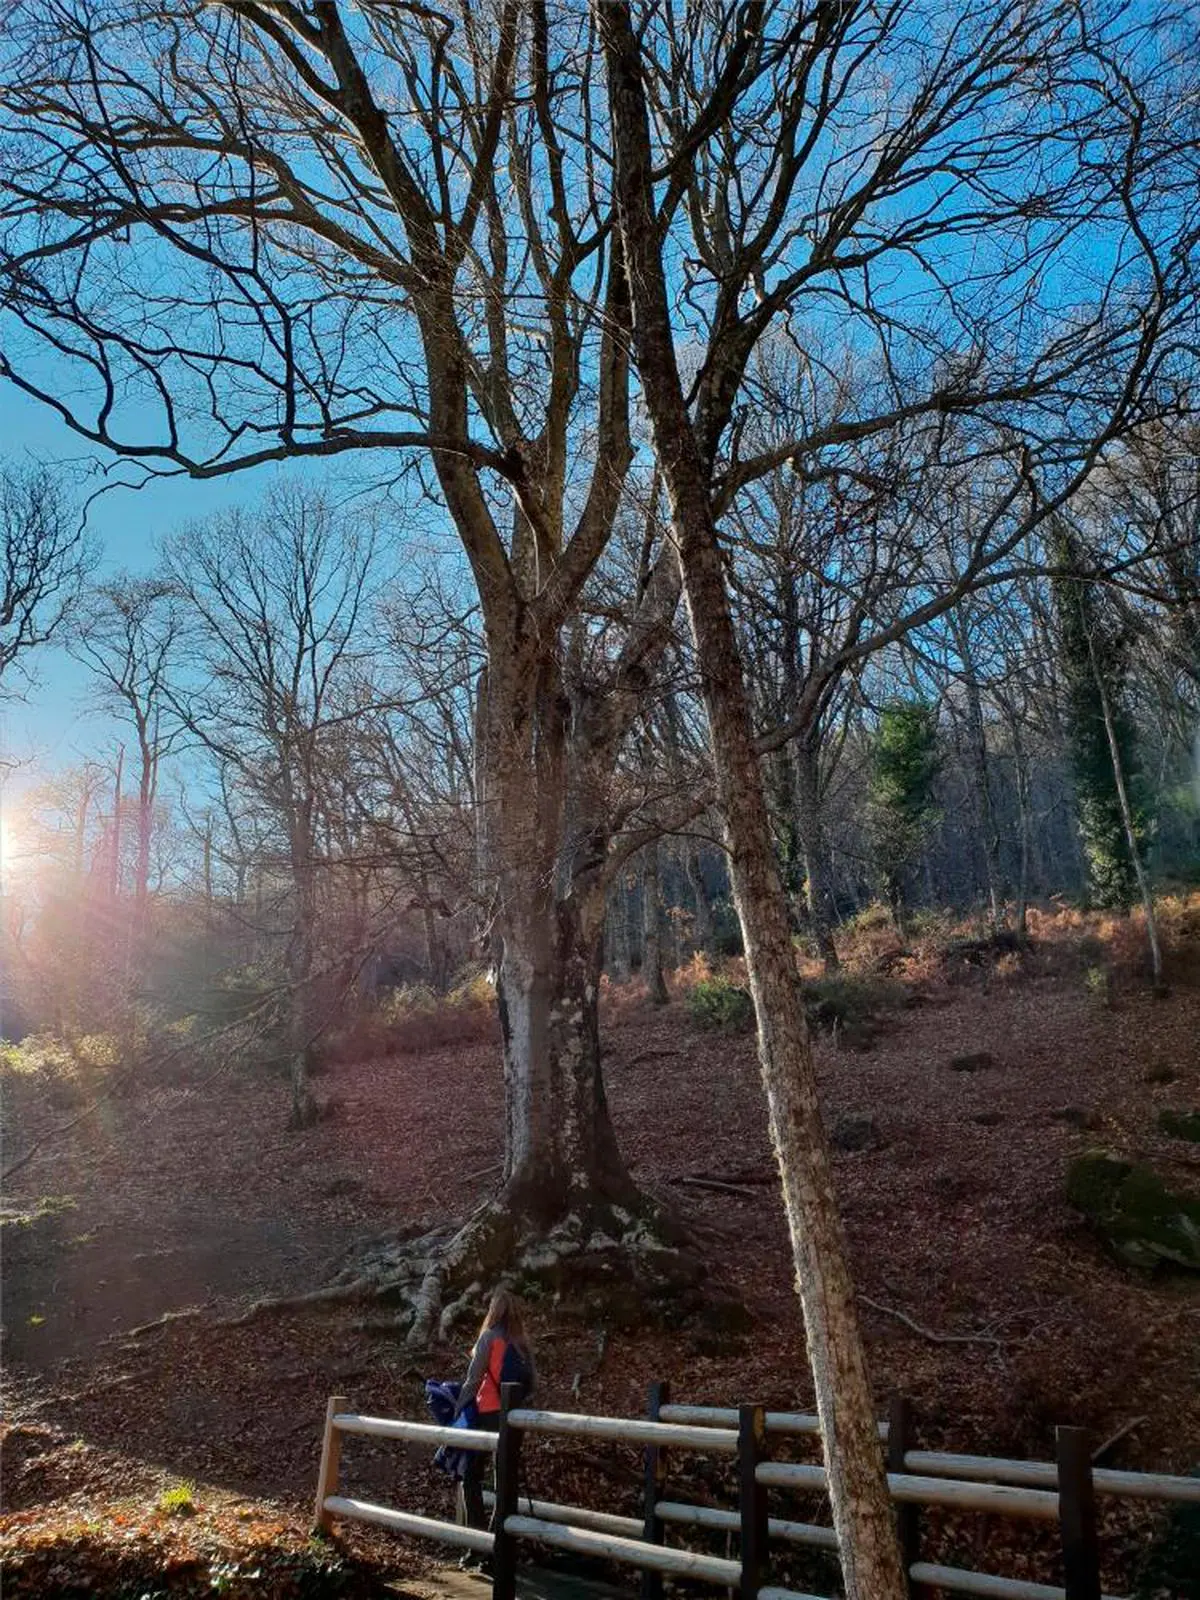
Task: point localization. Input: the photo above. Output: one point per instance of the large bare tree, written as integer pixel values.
(241, 232)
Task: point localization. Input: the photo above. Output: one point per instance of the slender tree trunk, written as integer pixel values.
(301, 1000)
(617, 930)
(114, 863)
(208, 871)
(702, 911)
(985, 808)
(81, 817)
(1127, 818)
(858, 1488)
(1025, 825)
(147, 784)
(436, 958)
(652, 951)
(811, 825)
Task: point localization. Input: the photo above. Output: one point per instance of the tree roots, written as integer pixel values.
(613, 1265)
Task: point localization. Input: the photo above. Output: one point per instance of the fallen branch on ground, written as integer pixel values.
(484, 1172)
(928, 1333)
(652, 1055)
(162, 1322)
(717, 1184)
(1126, 1428)
(334, 1294)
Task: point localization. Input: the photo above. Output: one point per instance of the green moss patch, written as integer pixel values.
(1131, 1208)
(1180, 1125)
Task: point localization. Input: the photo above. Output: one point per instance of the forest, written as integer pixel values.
(646, 748)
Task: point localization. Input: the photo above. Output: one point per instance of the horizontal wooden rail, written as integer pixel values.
(809, 1533)
(726, 1417)
(993, 1497)
(480, 1539)
(1044, 1474)
(985, 1584)
(674, 1511)
(636, 1553)
(627, 1430)
(794, 1422)
(768, 1593)
(576, 1516)
(944, 1464)
(417, 1432)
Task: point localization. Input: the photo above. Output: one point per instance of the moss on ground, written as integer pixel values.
(1142, 1220)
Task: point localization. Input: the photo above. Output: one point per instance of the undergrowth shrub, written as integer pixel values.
(178, 1501)
(413, 1018)
(719, 1003)
(66, 1071)
(849, 1003)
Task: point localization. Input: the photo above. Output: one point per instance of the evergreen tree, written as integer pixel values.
(1094, 655)
(904, 764)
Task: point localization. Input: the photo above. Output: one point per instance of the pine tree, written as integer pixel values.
(904, 764)
(1094, 655)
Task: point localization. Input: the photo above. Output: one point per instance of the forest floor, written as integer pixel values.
(183, 1458)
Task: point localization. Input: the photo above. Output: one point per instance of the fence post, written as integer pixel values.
(1077, 1515)
(508, 1466)
(331, 1458)
(899, 1443)
(652, 1527)
(752, 1499)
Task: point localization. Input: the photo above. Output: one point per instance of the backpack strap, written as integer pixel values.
(488, 1398)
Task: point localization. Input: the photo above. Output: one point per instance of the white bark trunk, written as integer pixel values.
(858, 1489)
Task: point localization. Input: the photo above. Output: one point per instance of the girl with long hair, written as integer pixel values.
(501, 1354)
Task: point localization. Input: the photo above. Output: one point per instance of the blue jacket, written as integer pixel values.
(442, 1400)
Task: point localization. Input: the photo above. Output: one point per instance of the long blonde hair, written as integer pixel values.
(504, 1312)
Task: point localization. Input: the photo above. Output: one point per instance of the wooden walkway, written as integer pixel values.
(533, 1583)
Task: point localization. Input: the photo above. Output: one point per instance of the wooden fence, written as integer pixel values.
(1062, 1491)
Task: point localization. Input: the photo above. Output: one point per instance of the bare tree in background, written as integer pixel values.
(277, 606)
(45, 558)
(127, 632)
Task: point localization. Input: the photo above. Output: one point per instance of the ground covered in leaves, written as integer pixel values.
(151, 1453)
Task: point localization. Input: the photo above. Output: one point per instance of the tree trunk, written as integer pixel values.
(652, 950)
(561, 1156)
(985, 808)
(1025, 813)
(617, 931)
(858, 1488)
(1127, 818)
(147, 784)
(810, 824)
(301, 1030)
(702, 921)
(207, 871)
(114, 864)
(543, 845)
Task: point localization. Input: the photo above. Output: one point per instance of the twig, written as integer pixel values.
(1116, 1438)
(652, 1055)
(162, 1322)
(715, 1183)
(288, 1302)
(484, 1172)
(928, 1333)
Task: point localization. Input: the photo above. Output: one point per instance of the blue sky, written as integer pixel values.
(53, 725)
